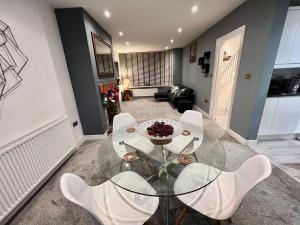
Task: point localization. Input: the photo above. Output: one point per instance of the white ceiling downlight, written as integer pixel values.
(194, 9)
(107, 13)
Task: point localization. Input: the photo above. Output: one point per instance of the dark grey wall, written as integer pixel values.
(75, 27)
(264, 20)
(91, 26)
(177, 66)
(294, 2)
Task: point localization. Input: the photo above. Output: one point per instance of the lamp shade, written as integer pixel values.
(126, 83)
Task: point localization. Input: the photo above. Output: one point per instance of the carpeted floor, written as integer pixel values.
(276, 201)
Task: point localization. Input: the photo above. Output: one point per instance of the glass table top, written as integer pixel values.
(161, 165)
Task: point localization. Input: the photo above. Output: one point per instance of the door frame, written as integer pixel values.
(219, 42)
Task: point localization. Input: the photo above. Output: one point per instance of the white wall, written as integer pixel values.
(46, 92)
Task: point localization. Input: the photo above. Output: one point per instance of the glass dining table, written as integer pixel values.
(188, 162)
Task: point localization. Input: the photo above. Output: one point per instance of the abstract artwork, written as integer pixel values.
(12, 61)
(193, 52)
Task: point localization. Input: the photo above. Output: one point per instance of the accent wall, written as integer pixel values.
(264, 22)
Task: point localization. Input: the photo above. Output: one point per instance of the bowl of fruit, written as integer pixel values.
(160, 131)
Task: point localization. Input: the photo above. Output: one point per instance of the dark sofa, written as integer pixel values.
(162, 93)
(184, 93)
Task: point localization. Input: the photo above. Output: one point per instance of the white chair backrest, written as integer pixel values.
(253, 171)
(123, 120)
(74, 188)
(105, 201)
(192, 117)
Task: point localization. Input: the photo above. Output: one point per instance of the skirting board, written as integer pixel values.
(89, 138)
(205, 114)
(235, 135)
(277, 137)
(240, 139)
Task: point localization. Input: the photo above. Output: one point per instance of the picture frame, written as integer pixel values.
(103, 57)
(193, 52)
(201, 61)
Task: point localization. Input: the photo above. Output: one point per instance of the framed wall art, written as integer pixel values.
(193, 52)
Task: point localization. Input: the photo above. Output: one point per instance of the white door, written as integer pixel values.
(220, 78)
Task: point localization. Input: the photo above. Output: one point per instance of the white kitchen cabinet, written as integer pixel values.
(288, 54)
(295, 52)
(281, 116)
(286, 116)
(268, 115)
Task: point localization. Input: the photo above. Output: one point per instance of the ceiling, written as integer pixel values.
(149, 25)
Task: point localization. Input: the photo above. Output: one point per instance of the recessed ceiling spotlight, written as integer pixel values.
(121, 33)
(179, 30)
(167, 47)
(172, 41)
(127, 43)
(194, 9)
(107, 13)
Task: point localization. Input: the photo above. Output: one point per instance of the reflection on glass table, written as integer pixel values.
(196, 156)
(160, 164)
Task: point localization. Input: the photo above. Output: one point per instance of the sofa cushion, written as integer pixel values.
(182, 92)
(171, 96)
(175, 89)
(188, 92)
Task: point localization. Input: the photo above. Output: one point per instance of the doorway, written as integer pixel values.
(227, 59)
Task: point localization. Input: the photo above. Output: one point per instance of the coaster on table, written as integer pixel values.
(186, 133)
(184, 159)
(130, 156)
(131, 129)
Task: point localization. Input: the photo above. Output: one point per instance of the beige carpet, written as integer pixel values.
(276, 201)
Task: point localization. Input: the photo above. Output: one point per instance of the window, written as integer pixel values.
(147, 68)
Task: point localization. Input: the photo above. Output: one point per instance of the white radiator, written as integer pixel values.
(144, 92)
(26, 162)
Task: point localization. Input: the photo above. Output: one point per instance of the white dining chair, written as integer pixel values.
(220, 199)
(192, 117)
(192, 121)
(109, 204)
(120, 135)
(123, 120)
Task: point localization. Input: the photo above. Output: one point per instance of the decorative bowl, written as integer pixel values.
(142, 129)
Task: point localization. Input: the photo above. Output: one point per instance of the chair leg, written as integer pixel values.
(181, 216)
(194, 154)
(229, 220)
(120, 169)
